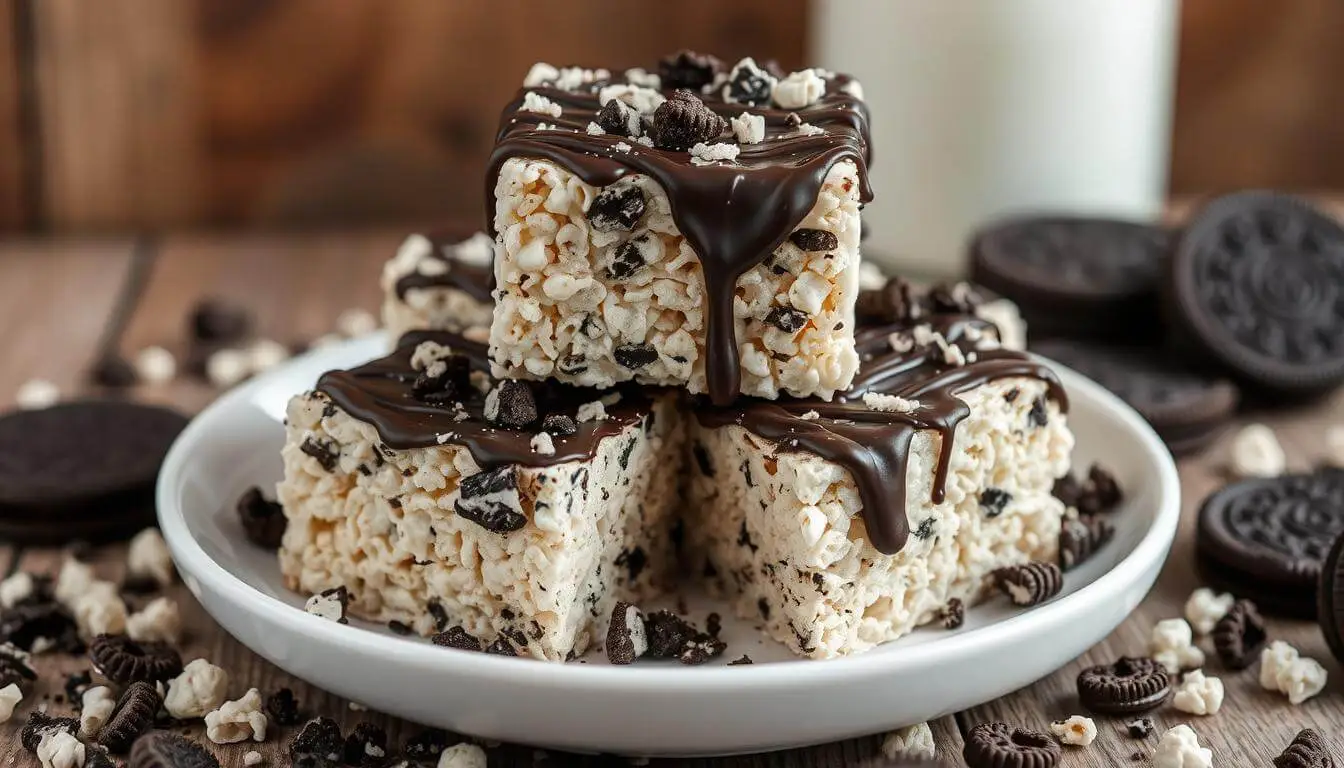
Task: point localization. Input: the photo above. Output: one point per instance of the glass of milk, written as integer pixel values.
(984, 108)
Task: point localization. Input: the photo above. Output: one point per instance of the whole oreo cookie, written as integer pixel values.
(999, 745)
(1186, 409)
(1076, 277)
(81, 470)
(1127, 687)
(1267, 538)
(1257, 286)
(1330, 608)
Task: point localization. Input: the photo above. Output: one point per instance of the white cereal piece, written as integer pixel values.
(621, 146)
(326, 340)
(1172, 645)
(97, 704)
(1204, 608)
(643, 100)
(594, 129)
(594, 411)
(1179, 748)
(155, 365)
(638, 76)
(10, 697)
(645, 140)
(1199, 695)
(237, 720)
(100, 611)
(427, 353)
(60, 749)
(543, 444)
(889, 403)
(265, 354)
(808, 129)
(1256, 452)
(200, 688)
(708, 154)
(573, 78)
(73, 581)
(853, 88)
(1076, 731)
(253, 758)
(748, 128)
(356, 322)
(1005, 316)
(810, 416)
(800, 89)
(1284, 670)
(36, 394)
(159, 621)
(16, 589)
(1334, 445)
(463, 756)
(226, 367)
(915, 741)
(148, 558)
(535, 102)
(539, 74)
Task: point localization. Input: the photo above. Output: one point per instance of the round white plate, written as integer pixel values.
(649, 708)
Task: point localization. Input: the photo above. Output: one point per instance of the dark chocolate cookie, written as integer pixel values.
(1266, 538)
(165, 749)
(1257, 286)
(123, 660)
(1187, 409)
(1240, 635)
(81, 470)
(133, 716)
(999, 745)
(1330, 607)
(1307, 750)
(1127, 687)
(1075, 277)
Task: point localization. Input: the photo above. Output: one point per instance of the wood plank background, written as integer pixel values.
(152, 114)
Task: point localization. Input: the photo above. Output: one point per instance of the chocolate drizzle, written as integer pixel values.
(733, 215)
(476, 280)
(874, 446)
(379, 393)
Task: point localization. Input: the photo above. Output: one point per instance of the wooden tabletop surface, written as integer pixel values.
(63, 301)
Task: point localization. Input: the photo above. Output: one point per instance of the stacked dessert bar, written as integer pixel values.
(663, 338)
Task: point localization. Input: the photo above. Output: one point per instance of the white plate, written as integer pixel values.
(649, 708)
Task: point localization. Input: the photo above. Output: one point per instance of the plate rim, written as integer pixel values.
(193, 560)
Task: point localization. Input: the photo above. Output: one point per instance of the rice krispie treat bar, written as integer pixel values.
(698, 228)
(847, 524)
(435, 282)
(439, 498)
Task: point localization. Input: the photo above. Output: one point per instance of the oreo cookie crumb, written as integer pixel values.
(330, 604)
(490, 499)
(511, 404)
(628, 259)
(501, 647)
(40, 724)
(459, 638)
(216, 320)
(438, 614)
(114, 372)
(366, 746)
(688, 69)
(713, 624)
(627, 639)
(125, 661)
(1100, 493)
(683, 120)
(741, 660)
(263, 520)
(667, 634)
(787, 319)
(957, 298)
(326, 452)
(76, 684)
(1240, 635)
(425, 746)
(133, 715)
(1029, 584)
(618, 118)
(749, 84)
(399, 628)
(954, 614)
(635, 356)
(559, 424)
(320, 739)
(165, 749)
(1081, 537)
(993, 500)
(94, 757)
(1038, 416)
(38, 619)
(283, 707)
(15, 668)
(617, 208)
(1141, 728)
(814, 240)
(1307, 750)
(892, 303)
(1068, 490)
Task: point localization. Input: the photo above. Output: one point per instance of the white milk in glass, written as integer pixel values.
(982, 108)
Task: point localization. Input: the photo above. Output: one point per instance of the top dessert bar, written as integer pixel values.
(696, 227)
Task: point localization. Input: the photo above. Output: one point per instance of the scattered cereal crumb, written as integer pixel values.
(1283, 670)
(253, 757)
(1179, 748)
(1204, 608)
(748, 128)
(462, 756)
(1199, 695)
(594, 411)
(148, 557)
(10, 696)
(707, 154)
(36, 394)
(913, 741)
(155, 365)
(200, 688)
(1256, 452)
(237, 720)
(543, 444)
(226, 367)
(1076, 731)
(356, 322)
(889, 403)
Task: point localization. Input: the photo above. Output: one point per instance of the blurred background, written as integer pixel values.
(148, 115)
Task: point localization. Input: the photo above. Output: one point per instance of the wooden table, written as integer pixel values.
(63, 301)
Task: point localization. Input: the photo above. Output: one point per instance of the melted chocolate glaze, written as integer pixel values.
(874, 446)
(379, 393)
(476, 281)
(733, 215)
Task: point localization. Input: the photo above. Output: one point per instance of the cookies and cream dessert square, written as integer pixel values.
(443, 499)
(441, 283)
(696, 228)
(842, 525)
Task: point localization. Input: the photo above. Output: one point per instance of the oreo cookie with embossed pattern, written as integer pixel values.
(1186, 408)
(1267, 538)
(1330, 605)
(1076, 277)
(1256, 286)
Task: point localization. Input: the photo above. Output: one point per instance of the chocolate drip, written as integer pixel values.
(477, 281)
(874, 446)
(379, 393)
(733, 215)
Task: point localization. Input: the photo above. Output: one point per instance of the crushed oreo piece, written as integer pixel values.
(626, 637)
(1141, 728)
(326, 452)
(400, 628)
(1240, 635)
(999, 745)
(15, 666)
(617, 208)
(993, 500)
(438, 614)
(125, 661)
(1307, 750)
(319, 738)
(683, 121)
(330, 604)
(713, 624)
(457, 637)
(490, 499)
(666, 633)
(618, 118)
(366, 746)
(114, 372)
(501, 647)
(444, 382)
(688, 69)
(216, 320)
(628, 259)
(426, 746)
(954, 614)
(133, 715)
(787, 319)
(892, 303)
(1099, 493)
(263, 520)
(559, 424)
(165, 749)
(1081, 537)
(1030, 583)
(814, 240)
(1068, 490)
(40, 724)
(283, 707)
(76, 684)
(511, 404)
(635, 356)
(740, 661)
(749, 84)
(1039, 415)
(701, 649)
(94, 757)
(958, 298)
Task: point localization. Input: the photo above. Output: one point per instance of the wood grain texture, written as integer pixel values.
(13, 205)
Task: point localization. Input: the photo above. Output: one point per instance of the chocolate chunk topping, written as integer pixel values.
(263, 520)
(1129, 686)
(814, 239)
(892, 303)
(955, 298)
(668, 633)
(446, 381)
(501, 647)
(688, 69)
(114, 372)
(993, 500)
(124, 661)
(511, 404)
(327, 452)
(617, 208)
(1068, 490)
(625, 634)
(165, 749)
(40, 724)
(366, 746)
(635, 356)
(954, 614)
(787, 319)
(618, 118)
(683, 121)
(627, 260)
(749, 84)
(1100, 493)
(559, 424)
(459, 638)
(1029, 584)
(425, 746)
(998, 745)
(133, 715)
(219, 321)
(283, 707)
(1141, 728)
(1307, 750)
(1081, 537)
(490, 499)
(1240, 635)
(319, 738)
